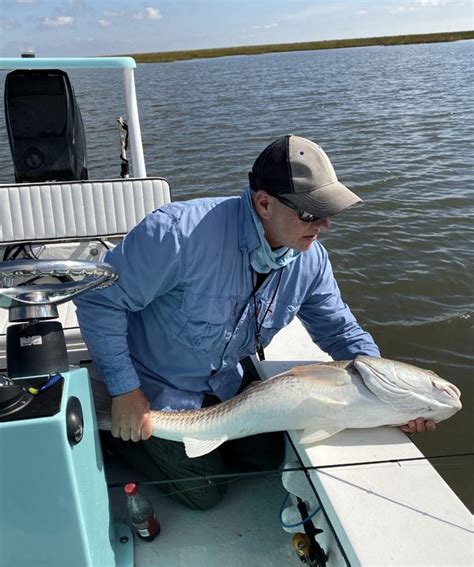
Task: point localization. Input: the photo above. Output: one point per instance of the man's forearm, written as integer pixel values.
(104, 331)
(353, 343)
(117, 372)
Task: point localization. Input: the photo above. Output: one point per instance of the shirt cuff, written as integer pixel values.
(118, 373)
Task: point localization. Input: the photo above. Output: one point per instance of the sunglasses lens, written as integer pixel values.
(302, 215)
(306, 217)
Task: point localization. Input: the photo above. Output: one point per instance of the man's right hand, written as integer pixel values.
(131, 418)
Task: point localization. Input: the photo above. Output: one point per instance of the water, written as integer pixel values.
(397, 123)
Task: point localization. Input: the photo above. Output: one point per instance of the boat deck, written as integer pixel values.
(243, 530)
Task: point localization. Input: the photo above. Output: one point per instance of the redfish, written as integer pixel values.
(319, 399)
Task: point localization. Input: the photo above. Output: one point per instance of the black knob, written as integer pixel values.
(74, 421)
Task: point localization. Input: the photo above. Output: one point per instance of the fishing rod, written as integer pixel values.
(238, 475)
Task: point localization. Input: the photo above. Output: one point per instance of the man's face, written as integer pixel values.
(283, 227)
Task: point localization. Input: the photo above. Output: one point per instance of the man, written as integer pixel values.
(204, 284)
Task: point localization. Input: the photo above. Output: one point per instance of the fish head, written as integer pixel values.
(413, 391)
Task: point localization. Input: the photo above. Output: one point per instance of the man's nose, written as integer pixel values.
(324, 224)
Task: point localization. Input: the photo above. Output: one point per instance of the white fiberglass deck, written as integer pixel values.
(383, 514)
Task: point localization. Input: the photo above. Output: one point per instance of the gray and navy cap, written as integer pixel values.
(298, 170)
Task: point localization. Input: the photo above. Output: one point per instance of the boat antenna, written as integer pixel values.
(123, 131)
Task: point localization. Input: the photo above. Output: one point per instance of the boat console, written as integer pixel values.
(48, 425)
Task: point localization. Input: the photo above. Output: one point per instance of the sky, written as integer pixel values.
(54, 28)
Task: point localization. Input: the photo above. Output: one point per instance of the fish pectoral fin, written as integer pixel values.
(199, 447)
(320, 431)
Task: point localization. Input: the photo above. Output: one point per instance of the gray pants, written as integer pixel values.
(160, 459)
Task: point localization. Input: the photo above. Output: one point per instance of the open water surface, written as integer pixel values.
(398, 125)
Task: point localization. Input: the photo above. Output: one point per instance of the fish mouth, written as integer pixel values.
(450, 389)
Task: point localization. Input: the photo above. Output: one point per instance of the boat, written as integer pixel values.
(362, 497)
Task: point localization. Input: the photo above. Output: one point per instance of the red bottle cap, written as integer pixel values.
(131, 489)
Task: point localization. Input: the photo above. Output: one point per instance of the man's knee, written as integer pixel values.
(202, 498)
(199, 494)
(258, 452)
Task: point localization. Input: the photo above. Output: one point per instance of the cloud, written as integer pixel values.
(147, 14)
(361, 13)
(402, 9)
(266, 26)
(8, 24)
(431, 3)
(114, 14)
(104, 23)
(57, 22)
(26, 1)
(153, 14)
(414, 5)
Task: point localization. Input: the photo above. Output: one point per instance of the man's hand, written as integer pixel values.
(131, 418)
(418, 425)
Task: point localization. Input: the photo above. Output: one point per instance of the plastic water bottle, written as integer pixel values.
(141, 514)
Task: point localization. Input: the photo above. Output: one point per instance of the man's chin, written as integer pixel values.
(305, 243)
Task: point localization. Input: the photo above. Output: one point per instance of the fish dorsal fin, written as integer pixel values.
(325, 374)
(322, 429)
(199, 447)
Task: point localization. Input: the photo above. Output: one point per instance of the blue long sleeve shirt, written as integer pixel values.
(183, 312)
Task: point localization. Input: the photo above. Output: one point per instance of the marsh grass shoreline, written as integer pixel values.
(170, 56)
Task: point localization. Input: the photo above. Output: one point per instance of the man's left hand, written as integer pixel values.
(418, 425)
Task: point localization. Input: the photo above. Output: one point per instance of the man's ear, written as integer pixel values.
(262, 202)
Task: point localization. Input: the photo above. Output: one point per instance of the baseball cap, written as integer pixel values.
(298, 170)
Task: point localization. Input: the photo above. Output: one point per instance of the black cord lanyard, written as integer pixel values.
(258, 328)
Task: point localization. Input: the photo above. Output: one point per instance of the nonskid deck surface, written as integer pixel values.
(242, 531)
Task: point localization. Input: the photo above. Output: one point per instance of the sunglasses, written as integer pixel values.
(302, 215)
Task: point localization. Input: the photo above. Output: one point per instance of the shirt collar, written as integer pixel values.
(248, 235)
